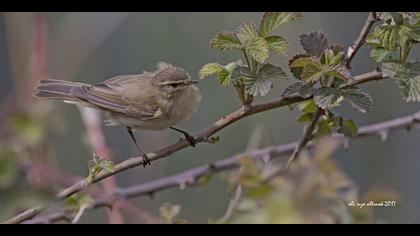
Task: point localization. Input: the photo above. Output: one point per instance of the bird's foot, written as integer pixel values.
(193, 142)
(146, 160)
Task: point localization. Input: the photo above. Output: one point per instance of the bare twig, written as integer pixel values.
(307, 136)
(191, 177)
(233, 203)
(204, 135)
(80, 213)
(28, 214)
(367, 77)
(50, 218)
(361, 39)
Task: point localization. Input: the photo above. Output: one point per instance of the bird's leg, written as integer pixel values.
(142, 154)
(188, 136)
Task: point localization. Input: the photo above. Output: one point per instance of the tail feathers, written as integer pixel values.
(43, 94)
(56, 89)
(55, 81)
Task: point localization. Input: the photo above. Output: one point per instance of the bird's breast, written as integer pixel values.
(184, 105)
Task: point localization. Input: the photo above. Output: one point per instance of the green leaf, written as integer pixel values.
(277, 44)
(233, 65)
(335, 120)
(311, 68)
(391, 37)
(314, 43)
(308, 106)
(258, 49)
(357, 99)
(270, 21)
(406, 34)
(379, 54)
(306, 90)
(225, 41)
(323, 128)
(296, 88)
(270, 71)
(241, 71)
(311, 73)
(338, 83)
(339, 71)
(304, 61)
(257, 86)
(291, 89)
(168, 212)
(330, 57)
(224, 72)
(210, 69)
(304, 118)
(225, 76)
(97, 165)
(261, 84)
(327, 97)
(326, 125)
(416, 31)
(336, 74)
(247, 32)
(348, 127)
(297, 71)
(336, 48)
(407, 77)
(385, 37)
(107, 166)
(330, 97)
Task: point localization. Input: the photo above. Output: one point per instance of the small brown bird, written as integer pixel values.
(148, 101)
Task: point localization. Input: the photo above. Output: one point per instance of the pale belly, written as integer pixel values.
(182, 108)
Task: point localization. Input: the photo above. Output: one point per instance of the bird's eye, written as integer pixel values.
(174, 85)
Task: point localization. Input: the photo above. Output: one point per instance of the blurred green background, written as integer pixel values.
(91, 47)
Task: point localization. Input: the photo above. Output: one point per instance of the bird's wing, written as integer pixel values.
(115, 82)
(109, 98)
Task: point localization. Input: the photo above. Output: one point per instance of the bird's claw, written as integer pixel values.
(193, 142)
(146, 160)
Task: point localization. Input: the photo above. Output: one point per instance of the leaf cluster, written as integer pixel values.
(97, 165)
(256, 42)
(392, 42)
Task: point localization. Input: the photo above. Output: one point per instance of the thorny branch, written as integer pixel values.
(307, 136)
(361, 39)
(191, 177)
(28, 214)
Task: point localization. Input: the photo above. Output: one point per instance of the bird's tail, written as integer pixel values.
(57, 89)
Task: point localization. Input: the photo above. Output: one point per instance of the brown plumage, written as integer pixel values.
(147, 101)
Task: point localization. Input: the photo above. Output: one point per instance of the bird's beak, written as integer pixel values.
(189, 82)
